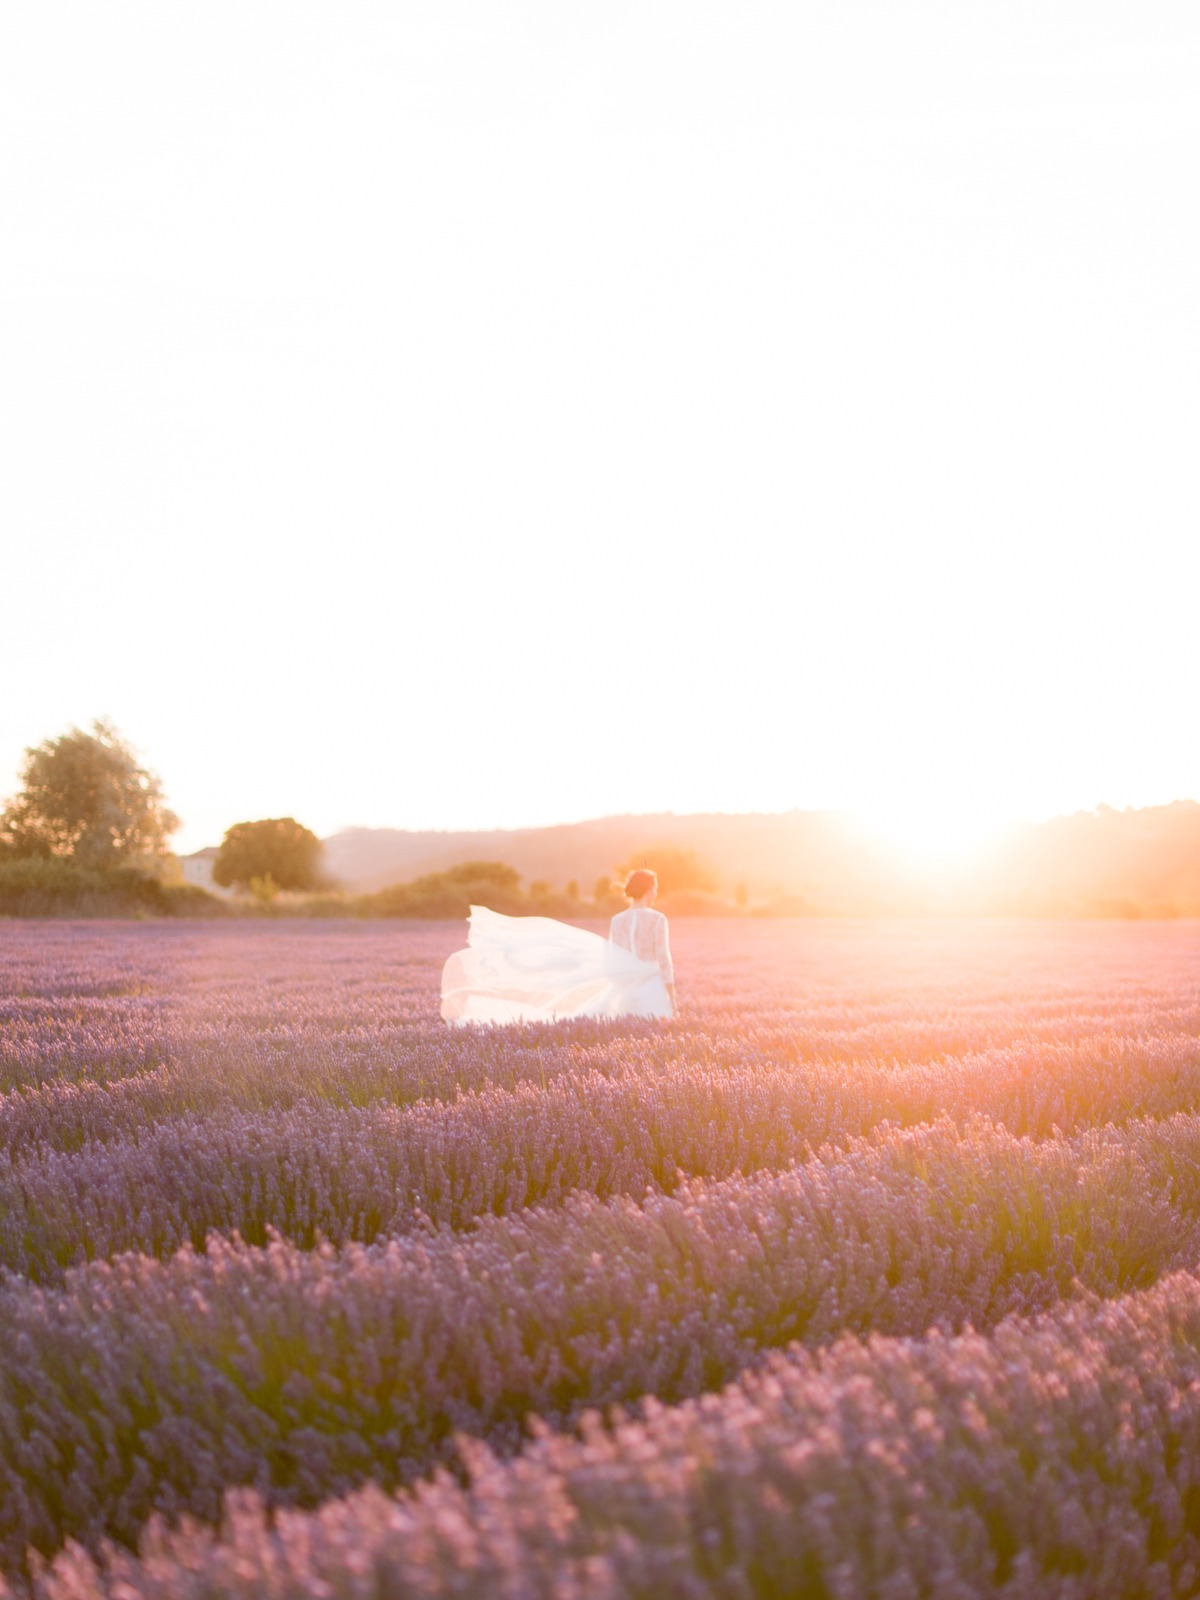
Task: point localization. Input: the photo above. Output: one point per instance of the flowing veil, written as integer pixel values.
(530, 969)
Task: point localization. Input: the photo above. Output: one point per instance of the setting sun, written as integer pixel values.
(930, 837)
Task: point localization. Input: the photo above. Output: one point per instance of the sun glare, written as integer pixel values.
(929, 837)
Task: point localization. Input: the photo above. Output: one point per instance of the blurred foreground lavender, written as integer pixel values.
(411, 1237)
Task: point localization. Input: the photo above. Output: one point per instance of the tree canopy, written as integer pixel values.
(85, 798)
(278, 849)
(676, 869)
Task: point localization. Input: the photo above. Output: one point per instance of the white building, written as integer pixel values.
(198, 869)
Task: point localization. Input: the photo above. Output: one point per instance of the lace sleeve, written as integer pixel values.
(662, 951)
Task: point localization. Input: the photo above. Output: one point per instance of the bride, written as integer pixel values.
(531, 969)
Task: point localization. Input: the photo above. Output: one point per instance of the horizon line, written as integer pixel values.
(846, 812)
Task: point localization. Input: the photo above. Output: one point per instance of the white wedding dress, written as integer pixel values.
(533, 969)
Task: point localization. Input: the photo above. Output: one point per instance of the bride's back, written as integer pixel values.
(639, 929)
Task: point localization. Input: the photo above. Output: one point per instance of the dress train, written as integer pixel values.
(534, 969)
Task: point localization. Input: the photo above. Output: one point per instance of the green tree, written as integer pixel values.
(676, 869)
(278, 849)
(84, 798)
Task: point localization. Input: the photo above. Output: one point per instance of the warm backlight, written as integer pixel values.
(929, 835)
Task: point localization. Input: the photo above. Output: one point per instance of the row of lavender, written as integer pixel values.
(274, 1016)
(1058, 1459)
(88, 1174)
(144, 1386)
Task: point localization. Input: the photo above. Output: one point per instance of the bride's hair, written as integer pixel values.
(639, 882)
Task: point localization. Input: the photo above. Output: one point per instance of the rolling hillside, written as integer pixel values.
(1110, 862)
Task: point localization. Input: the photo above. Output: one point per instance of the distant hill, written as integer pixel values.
(1102, 862)
(793, 852)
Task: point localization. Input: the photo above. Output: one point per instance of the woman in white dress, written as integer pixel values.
(531, 969)
(642, 930)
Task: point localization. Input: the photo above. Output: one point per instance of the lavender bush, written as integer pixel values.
(305, 1372)
(1056, 1459)
(414, 1236)
(311, 1170)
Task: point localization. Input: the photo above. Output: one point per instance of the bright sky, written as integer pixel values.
(472, 414)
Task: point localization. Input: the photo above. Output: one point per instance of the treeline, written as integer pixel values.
(87, 836)
(436, 895)
(60, 888)
(498, 886)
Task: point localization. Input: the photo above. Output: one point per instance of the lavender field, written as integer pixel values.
(874, 1273)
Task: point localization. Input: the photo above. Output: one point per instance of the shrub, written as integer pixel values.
(52, 887)
(449, 894)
